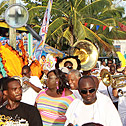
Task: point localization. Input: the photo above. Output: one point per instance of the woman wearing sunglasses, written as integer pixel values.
(95, 106)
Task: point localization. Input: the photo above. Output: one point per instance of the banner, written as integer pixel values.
(44, 28)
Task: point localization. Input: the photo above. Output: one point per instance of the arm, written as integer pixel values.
(32, 86)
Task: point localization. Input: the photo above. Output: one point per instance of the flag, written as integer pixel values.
(110, 28)
(85, 24)
(43, 30)
(45, 24)
(97, 27)
(104, 27)
(122, 26)
(91, 26)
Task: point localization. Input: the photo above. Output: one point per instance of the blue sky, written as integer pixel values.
(121, 3)
(117, 2)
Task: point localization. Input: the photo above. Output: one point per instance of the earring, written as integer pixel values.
(57, 85)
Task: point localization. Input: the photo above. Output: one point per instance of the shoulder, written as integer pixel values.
(103, 99)
(76, 103)
(68, 92)
(2, 108)
(27, 107)
(41, 93)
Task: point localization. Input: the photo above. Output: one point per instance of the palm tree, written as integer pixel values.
(3, 6)
(69, 17)
(70, 24)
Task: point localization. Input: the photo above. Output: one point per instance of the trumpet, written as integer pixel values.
(25, 87)
(121, 93)
(116, 81)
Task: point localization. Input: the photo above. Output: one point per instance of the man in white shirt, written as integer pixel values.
(34, 86)
(95, 107)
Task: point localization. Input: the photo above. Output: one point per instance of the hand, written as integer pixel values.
(27, 83)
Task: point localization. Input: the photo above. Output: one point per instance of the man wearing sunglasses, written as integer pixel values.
(94, 107)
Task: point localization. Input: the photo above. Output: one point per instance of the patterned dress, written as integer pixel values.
(52, 110)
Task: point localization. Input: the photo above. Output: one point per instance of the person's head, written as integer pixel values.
(2, 96)
(12, 90)
(87, 89)
(26, 71)
(68, 65)
(112, 69)
(118, 66)
(43, 58)
(110, 62)
(73, 78)
(103, 63)
(57, 79)
(96, 81)
(92, 124)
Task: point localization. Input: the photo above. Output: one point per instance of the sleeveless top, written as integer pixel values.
(53, 109)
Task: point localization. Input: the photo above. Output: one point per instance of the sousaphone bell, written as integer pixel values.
(87, 53)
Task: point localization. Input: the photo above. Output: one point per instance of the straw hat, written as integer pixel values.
(73, 59)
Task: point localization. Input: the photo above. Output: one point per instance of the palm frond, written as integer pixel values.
(67, 34)
(94, 8)
(3, 6)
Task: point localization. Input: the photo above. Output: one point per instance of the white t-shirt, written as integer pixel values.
(30, 95)
(102, 111)
(103, 89)
(76, 94)
(122, 107)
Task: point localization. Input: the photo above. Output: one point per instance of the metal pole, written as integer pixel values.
(12, 31)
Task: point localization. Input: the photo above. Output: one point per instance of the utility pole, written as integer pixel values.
(12, 31)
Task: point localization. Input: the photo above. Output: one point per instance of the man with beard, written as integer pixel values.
(94, 107)
(16, 112)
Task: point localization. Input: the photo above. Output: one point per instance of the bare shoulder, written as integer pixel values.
(68, 92)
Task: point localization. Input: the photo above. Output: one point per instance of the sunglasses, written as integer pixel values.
(90, 91)
(24, 73)
(69, 67)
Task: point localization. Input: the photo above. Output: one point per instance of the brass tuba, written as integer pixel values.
(87, 53)
(116, 81)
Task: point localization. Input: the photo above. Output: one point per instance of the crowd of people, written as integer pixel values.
(70, 97)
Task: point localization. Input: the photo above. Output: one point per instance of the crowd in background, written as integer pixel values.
(65, 95)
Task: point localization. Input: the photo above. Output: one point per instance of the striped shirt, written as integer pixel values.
(53, 109)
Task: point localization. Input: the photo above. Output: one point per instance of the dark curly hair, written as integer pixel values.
(63, 82)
